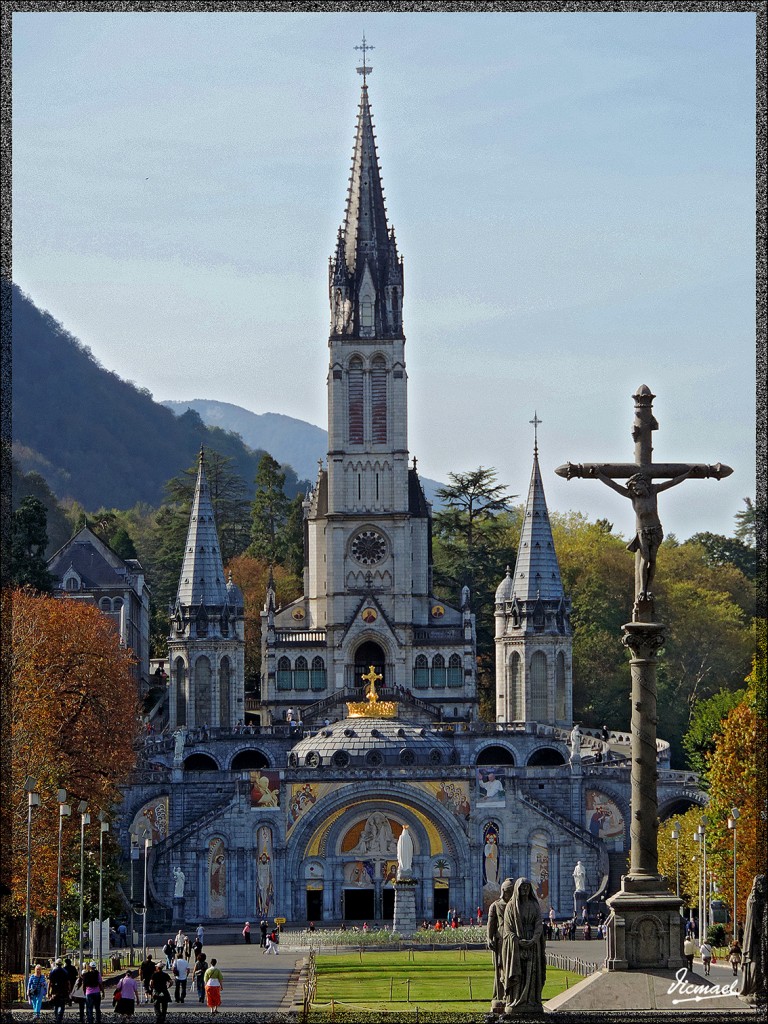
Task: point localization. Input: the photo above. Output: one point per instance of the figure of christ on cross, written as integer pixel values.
(642, 491)
(648, 531)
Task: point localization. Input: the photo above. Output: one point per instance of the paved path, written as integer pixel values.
(254, 982)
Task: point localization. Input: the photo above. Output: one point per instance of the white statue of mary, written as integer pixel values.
(404, 853)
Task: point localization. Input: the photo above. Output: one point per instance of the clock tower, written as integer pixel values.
(368, 567)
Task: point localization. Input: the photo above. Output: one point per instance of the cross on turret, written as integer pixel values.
(364, 70)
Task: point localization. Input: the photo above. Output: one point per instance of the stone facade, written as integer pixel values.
(87, 569)
(299, 814)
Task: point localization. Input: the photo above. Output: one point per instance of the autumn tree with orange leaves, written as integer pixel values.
(252, 576)
(71, 714)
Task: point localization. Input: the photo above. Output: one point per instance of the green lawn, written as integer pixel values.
(455, 980)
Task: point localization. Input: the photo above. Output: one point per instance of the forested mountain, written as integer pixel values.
(295, 442)
(92, 436)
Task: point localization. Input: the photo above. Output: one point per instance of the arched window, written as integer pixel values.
(438, 672)
(455, 673)
(420, 673)
(301, 674)
(379, 401)
(560, 687)
(355, 401)
(366, 313)
(224, 695)
(202, 679)
(538, 691)
(515, 689)
(72, 583)
(201, 622)
(117, 604)
(105, 604)
(180, 681)
(317, 678)
(283, 674)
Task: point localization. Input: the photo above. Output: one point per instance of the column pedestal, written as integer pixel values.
(178, 910)
(404, 922)
(645, 929)
(579, 900)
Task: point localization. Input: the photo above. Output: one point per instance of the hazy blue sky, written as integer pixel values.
(573, 195)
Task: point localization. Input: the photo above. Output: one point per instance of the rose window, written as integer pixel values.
(369, 547)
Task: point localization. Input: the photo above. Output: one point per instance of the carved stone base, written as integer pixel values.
(579, 900)
(178, 910)
(645, 930)
(404, 922)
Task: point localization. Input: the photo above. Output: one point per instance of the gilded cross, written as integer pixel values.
(364, 70)
(372, 677)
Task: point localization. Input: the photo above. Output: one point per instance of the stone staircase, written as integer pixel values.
(580, 833)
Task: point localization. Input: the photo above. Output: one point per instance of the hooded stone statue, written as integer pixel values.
(495, 940)
(523, 951)
(753, 960)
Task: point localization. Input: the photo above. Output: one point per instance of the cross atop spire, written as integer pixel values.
(535, 421)
(364, 70)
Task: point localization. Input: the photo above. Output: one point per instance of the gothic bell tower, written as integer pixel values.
(368, 526)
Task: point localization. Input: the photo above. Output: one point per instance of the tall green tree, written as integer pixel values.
(706, 725)
(294, 537)
(269, 513)
(472, 544)
(746, 523)
(28, 543)
(721, 550)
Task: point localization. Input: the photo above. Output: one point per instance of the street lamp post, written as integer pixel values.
(732, 822)
(676, 837)
(702, 830)
(104, 828)
(134, 857)
(697, 858)
(33, 800)
(147, 844)
(64, 812)
(85, 819)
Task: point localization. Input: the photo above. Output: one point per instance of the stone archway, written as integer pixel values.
(321, 835)
(370, 653)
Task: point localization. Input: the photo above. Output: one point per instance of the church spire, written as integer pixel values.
(202, 580)
(537, 573)
(366, 272)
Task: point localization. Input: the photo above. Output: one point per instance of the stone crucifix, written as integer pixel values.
(643, 636)
(642, 492)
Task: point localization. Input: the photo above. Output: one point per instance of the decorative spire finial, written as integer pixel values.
(364, 70)
(535, 421)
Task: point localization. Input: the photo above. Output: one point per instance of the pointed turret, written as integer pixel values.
(366, 273)
(207, 641)
(533, 631)
(537, 573)
(202, 581)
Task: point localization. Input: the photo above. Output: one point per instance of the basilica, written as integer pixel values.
(292, 806)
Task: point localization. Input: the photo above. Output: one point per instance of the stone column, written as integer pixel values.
(645, 929)
(404, 922)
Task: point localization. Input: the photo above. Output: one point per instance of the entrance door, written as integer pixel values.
(358, 905)
(388, 904)
(368, 654)
(442, 903)
(314, 904)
